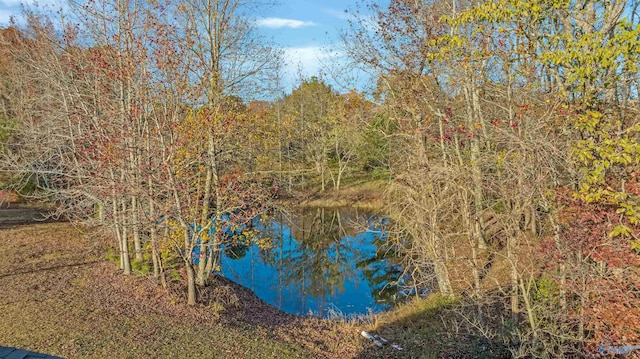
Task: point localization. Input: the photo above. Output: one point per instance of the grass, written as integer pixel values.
(368, 195)
(112, 256)
(63, 295)
(417, 326)
(61, 298)
(141, 266)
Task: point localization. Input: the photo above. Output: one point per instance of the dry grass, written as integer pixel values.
(367, 195)
(416, 326)
(60, 296)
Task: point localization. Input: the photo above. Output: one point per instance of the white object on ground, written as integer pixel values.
(371, 337)
(379, 341)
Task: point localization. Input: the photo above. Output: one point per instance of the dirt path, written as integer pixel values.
(59, 296)
(22, 215)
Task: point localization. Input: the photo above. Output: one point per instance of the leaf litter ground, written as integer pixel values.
(58, 295)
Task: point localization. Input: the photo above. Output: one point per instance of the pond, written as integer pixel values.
(321, 262)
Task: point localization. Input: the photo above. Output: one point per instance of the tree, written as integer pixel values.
(132, 142)
(9, 38)
(494, 102)
(315, 110)
(228, 58)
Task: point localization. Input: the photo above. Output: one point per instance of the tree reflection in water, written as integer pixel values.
(321, 259)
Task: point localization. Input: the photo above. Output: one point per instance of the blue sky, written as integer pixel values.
(308, 33)
(306, 30)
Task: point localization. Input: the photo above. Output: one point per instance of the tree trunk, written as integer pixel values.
(117, 230)
(442, 277)
(126, 260)
(135, 228)
(202, 275)
(213, 259)
(163, 279)
(191, 283)
(513, 276)
(475, 260)
(470, 102)
(322, 176)
(204, 270)
(154, 259)
(155, 253)
(475, 271)
(100, 210)
(153, 228)
(214, 250)
(529, 307)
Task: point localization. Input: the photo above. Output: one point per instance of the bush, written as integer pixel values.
(141, 266)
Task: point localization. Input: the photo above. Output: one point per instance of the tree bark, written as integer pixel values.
(126, 260)
(135, 228)
(191, 283)
(442, 277)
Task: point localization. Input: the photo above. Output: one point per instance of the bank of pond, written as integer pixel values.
(318, 261)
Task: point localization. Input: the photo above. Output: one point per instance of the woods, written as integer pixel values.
(506, 133)
(511, 114)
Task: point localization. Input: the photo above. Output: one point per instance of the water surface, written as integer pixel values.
(321, 262)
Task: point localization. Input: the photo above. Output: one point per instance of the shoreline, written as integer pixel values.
(369, 196)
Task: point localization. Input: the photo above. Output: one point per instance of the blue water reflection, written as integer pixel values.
(322, 261)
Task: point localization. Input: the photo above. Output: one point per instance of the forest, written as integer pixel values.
(504, 135)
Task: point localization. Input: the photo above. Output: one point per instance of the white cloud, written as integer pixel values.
(332, 66)
(10, 3)
(276, 23)
(307, 60)
(368, 21)
(338, 14)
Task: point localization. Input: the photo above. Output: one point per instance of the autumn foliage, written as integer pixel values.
(507, 133)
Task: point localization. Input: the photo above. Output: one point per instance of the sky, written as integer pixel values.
(307, 31)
